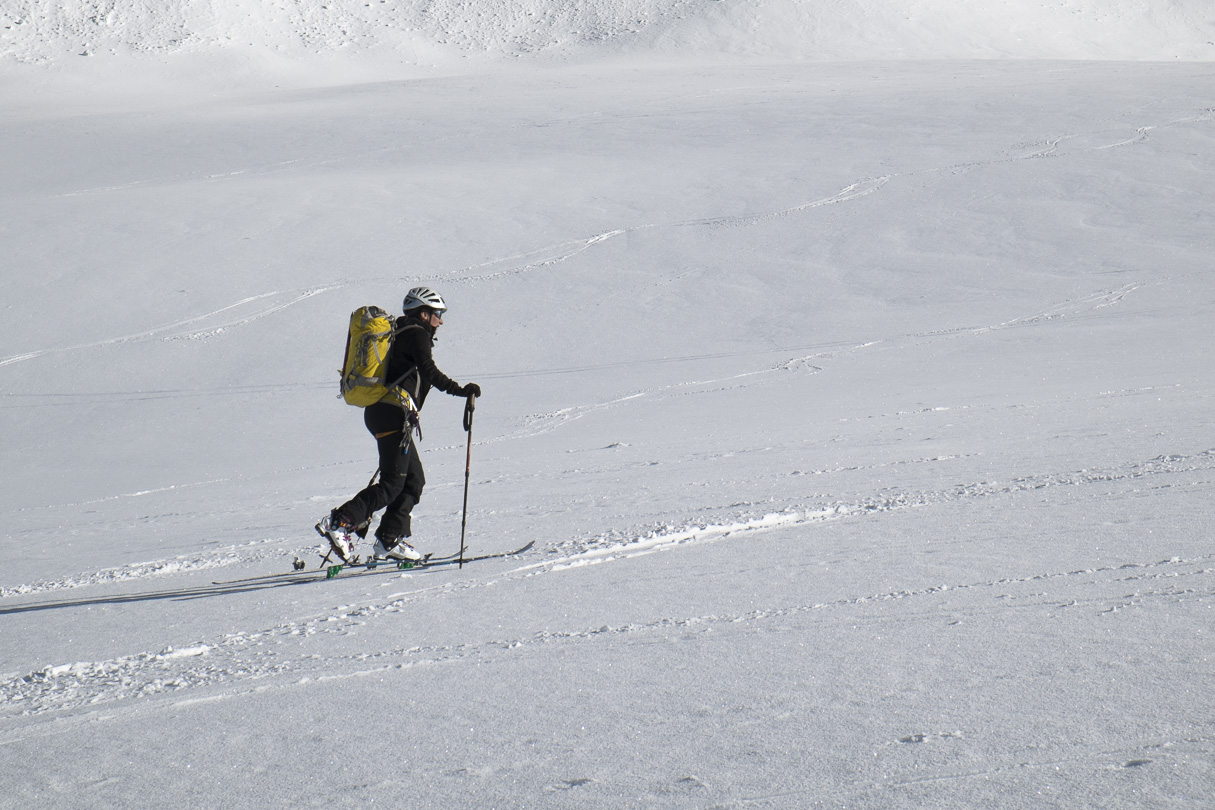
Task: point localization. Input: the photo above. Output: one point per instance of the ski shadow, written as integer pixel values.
(168, 595)
(254, 584)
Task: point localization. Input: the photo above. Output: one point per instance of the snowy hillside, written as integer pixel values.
(343, 39)
(854, 415)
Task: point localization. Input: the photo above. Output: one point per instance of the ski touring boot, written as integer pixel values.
(340, 534)
(395, 549)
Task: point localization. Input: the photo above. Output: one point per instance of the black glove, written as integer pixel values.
(469, 390)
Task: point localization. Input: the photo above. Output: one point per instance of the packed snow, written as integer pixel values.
(846, 366)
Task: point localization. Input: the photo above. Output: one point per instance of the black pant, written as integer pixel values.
(401, 477)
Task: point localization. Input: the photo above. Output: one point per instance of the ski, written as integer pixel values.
(368, 566)
(373, 564)
(417, 565)
(304, 574)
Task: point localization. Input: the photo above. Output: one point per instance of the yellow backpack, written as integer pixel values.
(364, 372)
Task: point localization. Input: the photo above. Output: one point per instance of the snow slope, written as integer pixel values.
(858, 411)
(341, 40)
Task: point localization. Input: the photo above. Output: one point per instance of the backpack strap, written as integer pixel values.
(417, 387)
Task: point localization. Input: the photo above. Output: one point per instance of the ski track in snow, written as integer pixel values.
(551, 256)
(240, 661)
(268, 549)
(794, 514)
(263, 305)
(555, 255)
(538, 424)
(236, 659)
(892, 499)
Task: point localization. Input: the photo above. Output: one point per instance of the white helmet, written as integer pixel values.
(423, 297)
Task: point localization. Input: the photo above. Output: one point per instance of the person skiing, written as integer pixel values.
(411, 364)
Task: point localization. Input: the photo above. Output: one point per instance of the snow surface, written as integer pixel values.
(858, 405)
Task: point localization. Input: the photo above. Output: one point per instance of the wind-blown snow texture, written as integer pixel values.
(859, 410)
(340, 38)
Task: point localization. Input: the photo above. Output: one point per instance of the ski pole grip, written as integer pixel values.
(469, 406)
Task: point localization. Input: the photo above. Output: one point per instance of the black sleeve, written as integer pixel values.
(419, 351)
(430, 373)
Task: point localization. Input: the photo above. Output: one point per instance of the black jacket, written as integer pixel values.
(411, 361)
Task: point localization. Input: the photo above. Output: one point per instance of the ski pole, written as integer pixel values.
(469, 407)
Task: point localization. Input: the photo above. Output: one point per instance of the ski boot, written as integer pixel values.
(395, 549)
(340, 534)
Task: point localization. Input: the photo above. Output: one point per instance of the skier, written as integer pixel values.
(401, 478)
